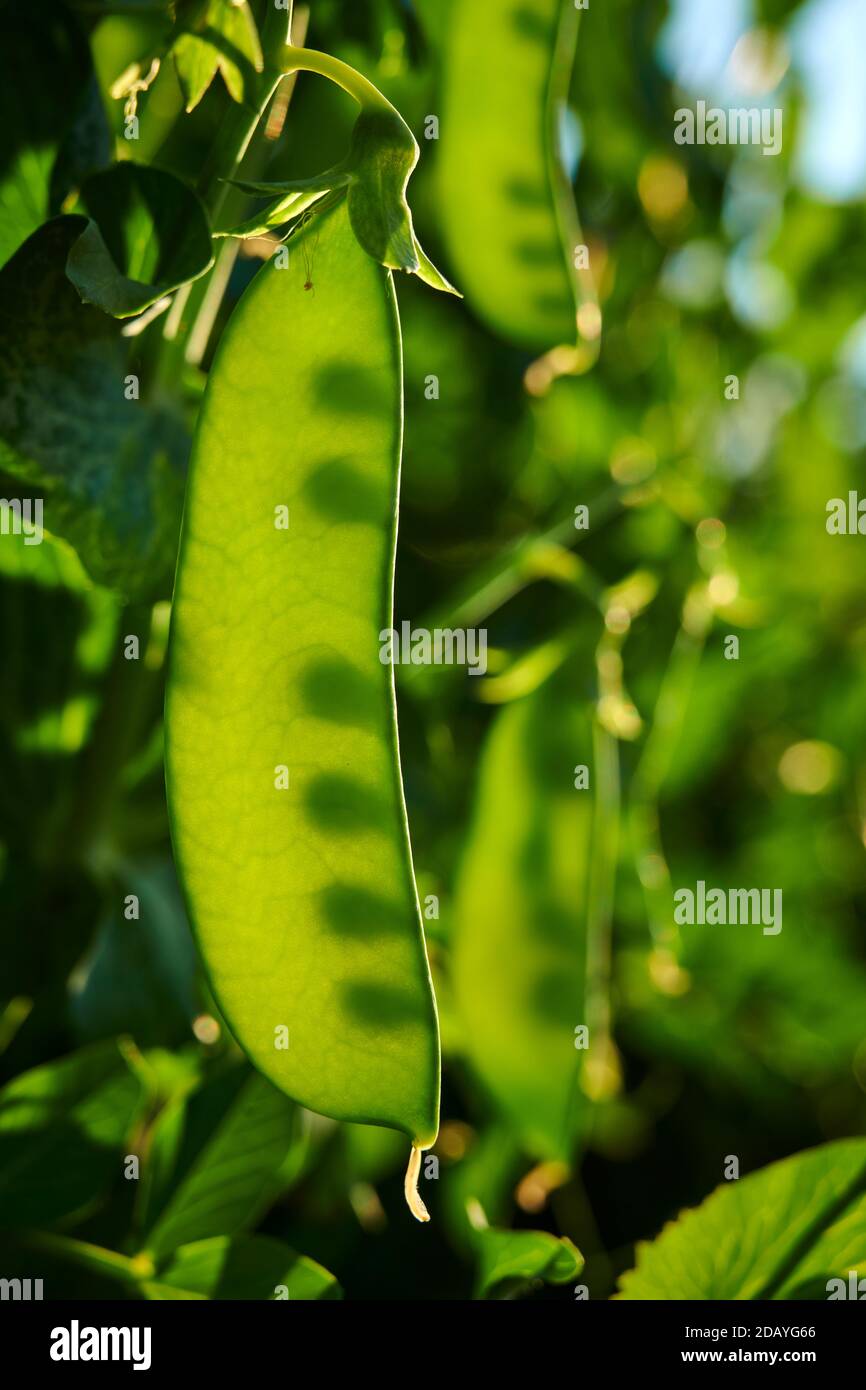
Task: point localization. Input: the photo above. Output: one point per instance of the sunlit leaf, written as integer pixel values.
(232, 1175)
(509, 1262)
(247, 1267)
(784, 1232)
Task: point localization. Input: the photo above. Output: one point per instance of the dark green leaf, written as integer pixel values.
(140, 976)
(62, 1127)
(509, 1261)
(147, 235)
(110, 469)
(54, 126)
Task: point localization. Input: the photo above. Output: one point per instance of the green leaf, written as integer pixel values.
(110, 470)
(520, 917)
(506, 210)
(139, 977)
(509, 1261)
(54, 127)
(60, 630)
(251, 1267)
(303, 900)
(232, 1177)
(148, 234)
(171, 1078)
(781, 1233)
(382, 156)
(62, 1128)
(294, 198)
(224, 39)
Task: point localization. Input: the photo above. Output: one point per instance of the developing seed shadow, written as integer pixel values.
(538, 253)
(557, 997)
(526, 193)
(531, 25)
(339, 492)
(360, 914)
(341, 804)
(332, 688)
(352, 390)
(555, 305)
(382, 1006)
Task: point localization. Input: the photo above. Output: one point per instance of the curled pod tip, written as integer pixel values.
(410, 1185)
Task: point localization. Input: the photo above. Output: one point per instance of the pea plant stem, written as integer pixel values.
(233, 140)
(564, 206)
(91, 1257)
(131, 689)
(208, 293)
(601, 1070)
(353, 82)
(669, 715)
(501, 579)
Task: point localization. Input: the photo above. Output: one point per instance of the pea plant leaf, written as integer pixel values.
(283, 773)
(62, 1128)
(510, 1262)
(520, 919)
(110, 469)
(148, 234)
(293, 198)
(506, 72)
(139, 981)
(382, 155)
(217, 36)
(231, 1177)
(243, 1267)
(785, 1232)
(54, 127)
(63, 645)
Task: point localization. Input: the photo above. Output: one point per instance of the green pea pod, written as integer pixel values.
(506, 207)
(519, 959)
(283, 770)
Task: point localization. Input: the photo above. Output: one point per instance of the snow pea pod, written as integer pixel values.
(506, 207)
(283, 769)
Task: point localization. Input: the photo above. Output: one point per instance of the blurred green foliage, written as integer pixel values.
(706, 519)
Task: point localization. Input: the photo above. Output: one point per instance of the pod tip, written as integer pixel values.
(410, 1186)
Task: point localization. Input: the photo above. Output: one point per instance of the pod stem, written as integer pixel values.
(367, 96)
(410, 1186)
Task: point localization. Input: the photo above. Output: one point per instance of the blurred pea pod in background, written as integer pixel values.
(507, 211)
(519, 954)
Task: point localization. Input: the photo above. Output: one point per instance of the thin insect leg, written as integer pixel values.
(308, 252)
